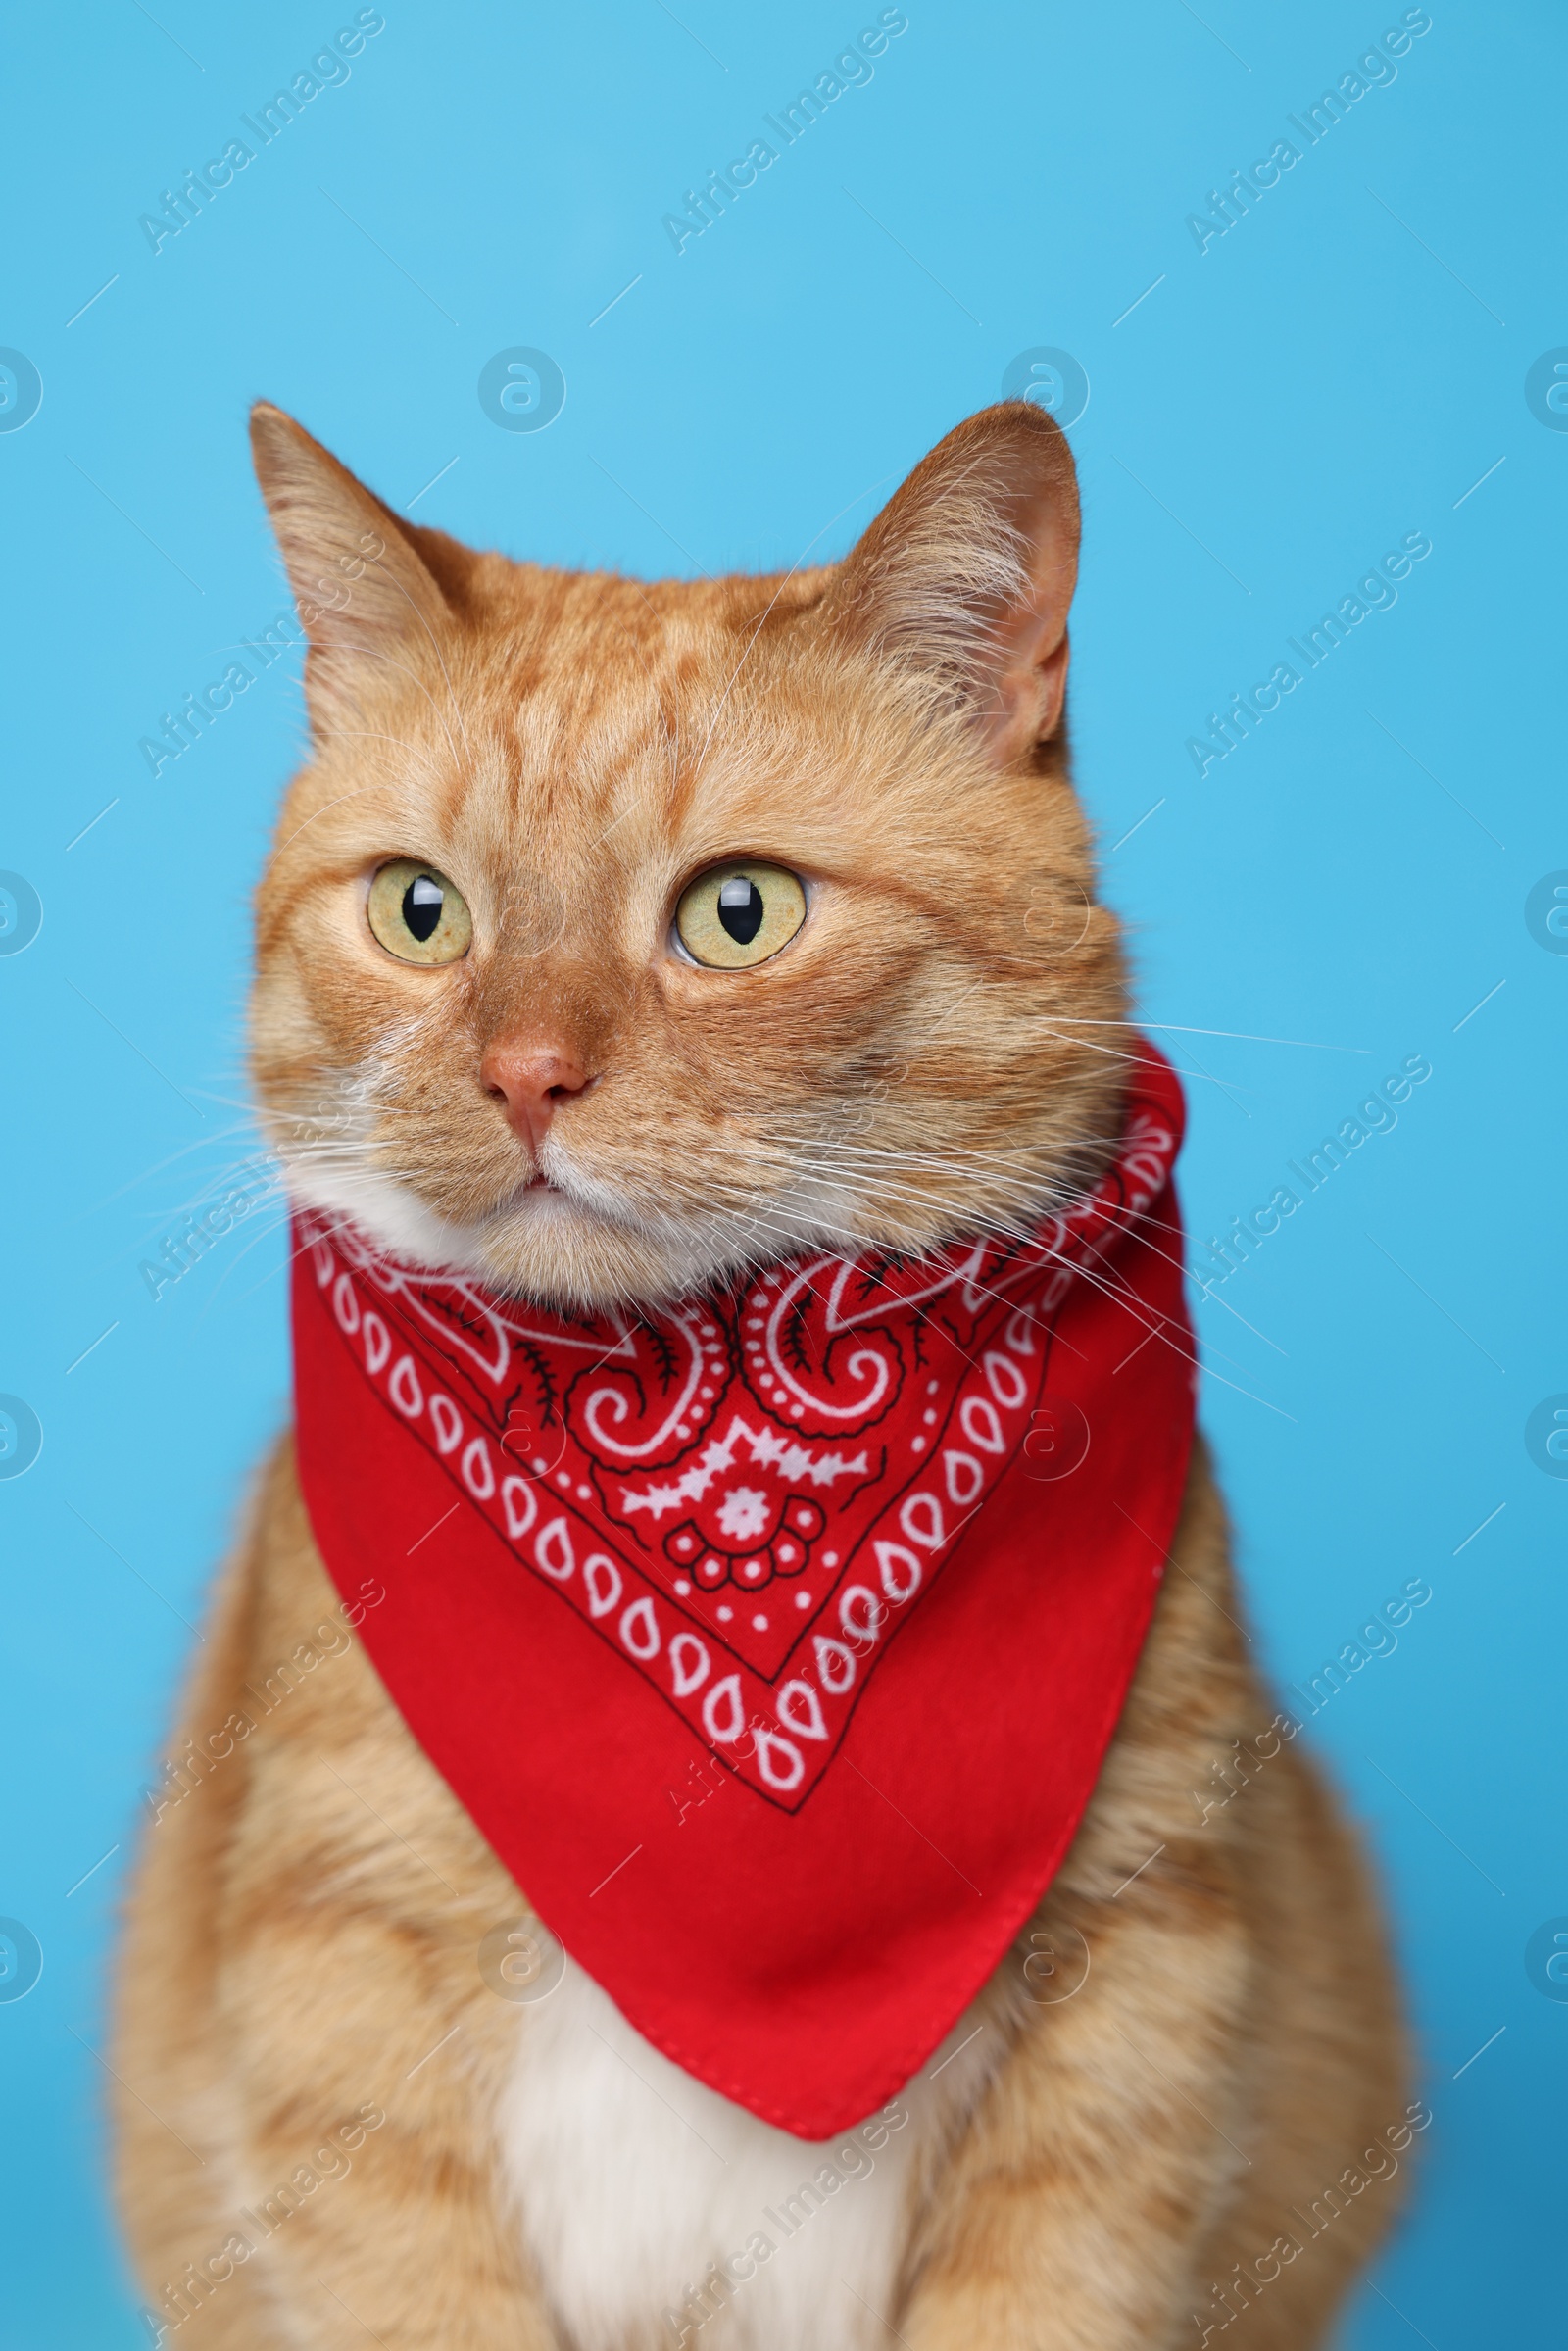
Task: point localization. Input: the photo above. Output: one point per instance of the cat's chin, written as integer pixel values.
(543, 1243)
(576, 1245)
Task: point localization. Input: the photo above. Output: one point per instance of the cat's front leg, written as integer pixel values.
(363, 2174)
(357, 2046)
(1071, 2214)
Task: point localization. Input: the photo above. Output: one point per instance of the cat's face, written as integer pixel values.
(618, 936)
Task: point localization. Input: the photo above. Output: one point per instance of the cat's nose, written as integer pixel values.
(532, 1081)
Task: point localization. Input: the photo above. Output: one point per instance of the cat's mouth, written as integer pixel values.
(558, 1189)
(540, 1184)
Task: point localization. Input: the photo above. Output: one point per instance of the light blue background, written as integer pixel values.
(1337, 370)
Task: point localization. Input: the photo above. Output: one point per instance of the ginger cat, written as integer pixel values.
(333, 2131)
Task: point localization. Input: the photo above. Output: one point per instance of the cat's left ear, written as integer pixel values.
(367, 599)
(967, 573)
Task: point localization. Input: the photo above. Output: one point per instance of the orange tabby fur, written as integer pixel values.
(937, 1051)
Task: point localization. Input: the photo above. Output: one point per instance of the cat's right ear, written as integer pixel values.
(365, 597)
(965, 576)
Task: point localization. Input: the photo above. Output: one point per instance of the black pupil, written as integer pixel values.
(422, 907)
(741, 909)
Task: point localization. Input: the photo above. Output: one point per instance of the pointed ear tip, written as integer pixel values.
(1026, 419)
(1041, 452)
(282, 451)
(269, 428)
(1019, 438)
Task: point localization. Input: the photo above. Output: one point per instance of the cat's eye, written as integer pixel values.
(735, 915)
(417, 913)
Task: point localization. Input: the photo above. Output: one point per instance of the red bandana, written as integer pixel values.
(772, 1640)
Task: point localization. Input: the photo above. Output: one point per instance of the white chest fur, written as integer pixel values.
(658, 2215)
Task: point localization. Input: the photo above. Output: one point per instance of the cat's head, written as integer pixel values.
(619, 935)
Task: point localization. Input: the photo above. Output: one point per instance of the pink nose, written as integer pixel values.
(532, 1081)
